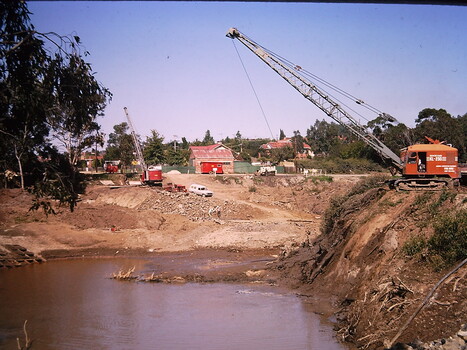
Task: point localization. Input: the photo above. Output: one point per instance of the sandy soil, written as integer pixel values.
(263, 229)
(244, 213)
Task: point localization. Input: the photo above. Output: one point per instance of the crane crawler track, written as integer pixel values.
(417, 184)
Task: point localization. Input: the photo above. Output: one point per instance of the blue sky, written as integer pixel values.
(172, 66)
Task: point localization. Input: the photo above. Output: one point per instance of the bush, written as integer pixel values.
(449, 241)
(414, 245)
(252, 189)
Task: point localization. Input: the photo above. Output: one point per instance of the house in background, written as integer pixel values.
(266, 148)
(216, 158)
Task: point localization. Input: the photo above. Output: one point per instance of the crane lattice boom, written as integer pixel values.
(316, 96)
(139, 153)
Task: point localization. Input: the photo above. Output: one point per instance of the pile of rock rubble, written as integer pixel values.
(456, 342)
(194, 207)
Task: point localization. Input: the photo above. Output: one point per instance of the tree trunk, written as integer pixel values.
(20, 167)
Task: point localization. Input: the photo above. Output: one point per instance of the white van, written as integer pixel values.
(200, 190)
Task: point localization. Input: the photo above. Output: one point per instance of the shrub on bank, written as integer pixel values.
(448, 244)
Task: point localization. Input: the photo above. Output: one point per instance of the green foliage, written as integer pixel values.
(78, 100)
(120, 145)
(340, 166)
(44, 93)
(208, 139)
(440, 125)
(278, 155)
(281, 134)
(448, 244)
(414, 246)
(60, 182)
(319, 178)
(297, 141)
(176, 157)
(324, 136)
(153, 151)
(252, 189)
(433, 208)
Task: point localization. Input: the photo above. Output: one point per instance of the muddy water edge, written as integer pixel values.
(74, 304)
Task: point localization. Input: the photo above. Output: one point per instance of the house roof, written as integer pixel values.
(281, 144)
(217, 151)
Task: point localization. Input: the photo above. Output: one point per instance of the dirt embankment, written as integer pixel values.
(371, 261)
(267, 228)
(245, 213)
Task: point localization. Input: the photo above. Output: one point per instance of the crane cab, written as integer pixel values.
(152, 176)
(430, 160)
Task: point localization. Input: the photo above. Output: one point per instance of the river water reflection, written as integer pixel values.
(73, 304)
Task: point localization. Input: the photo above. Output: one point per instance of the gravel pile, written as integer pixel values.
(194, 207)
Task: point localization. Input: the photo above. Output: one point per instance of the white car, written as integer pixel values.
(200, 190)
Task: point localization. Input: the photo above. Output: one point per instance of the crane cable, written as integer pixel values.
(254, 91)
(306, 74)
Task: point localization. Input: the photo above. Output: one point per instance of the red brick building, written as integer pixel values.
(217, 153)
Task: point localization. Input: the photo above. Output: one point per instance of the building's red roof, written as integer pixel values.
(217, 151)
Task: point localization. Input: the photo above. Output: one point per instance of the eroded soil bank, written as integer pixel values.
(267, 230)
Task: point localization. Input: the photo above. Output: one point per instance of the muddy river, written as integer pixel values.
(73, 304)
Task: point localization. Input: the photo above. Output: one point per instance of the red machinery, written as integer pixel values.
(111, 166)
(151, 175)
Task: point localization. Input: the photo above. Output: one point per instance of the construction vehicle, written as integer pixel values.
(423, 166)
(111, 166)
(150, 175)
(269, 170)
(171, 187)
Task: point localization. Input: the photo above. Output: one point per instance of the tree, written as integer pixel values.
(282, 134)
(153, 151)
(323, 136)
(78, 100)
(208, 139)
(297, 142)
(29, 89)
(177, 157)
(185, 143)
(120, 145)
(24, 96)
(280, 154)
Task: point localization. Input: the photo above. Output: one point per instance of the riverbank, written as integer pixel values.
(264, 230)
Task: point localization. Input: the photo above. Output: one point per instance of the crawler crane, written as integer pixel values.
(151, 175)
(423, 166)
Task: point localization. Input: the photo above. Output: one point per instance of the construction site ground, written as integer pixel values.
(254, 229)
